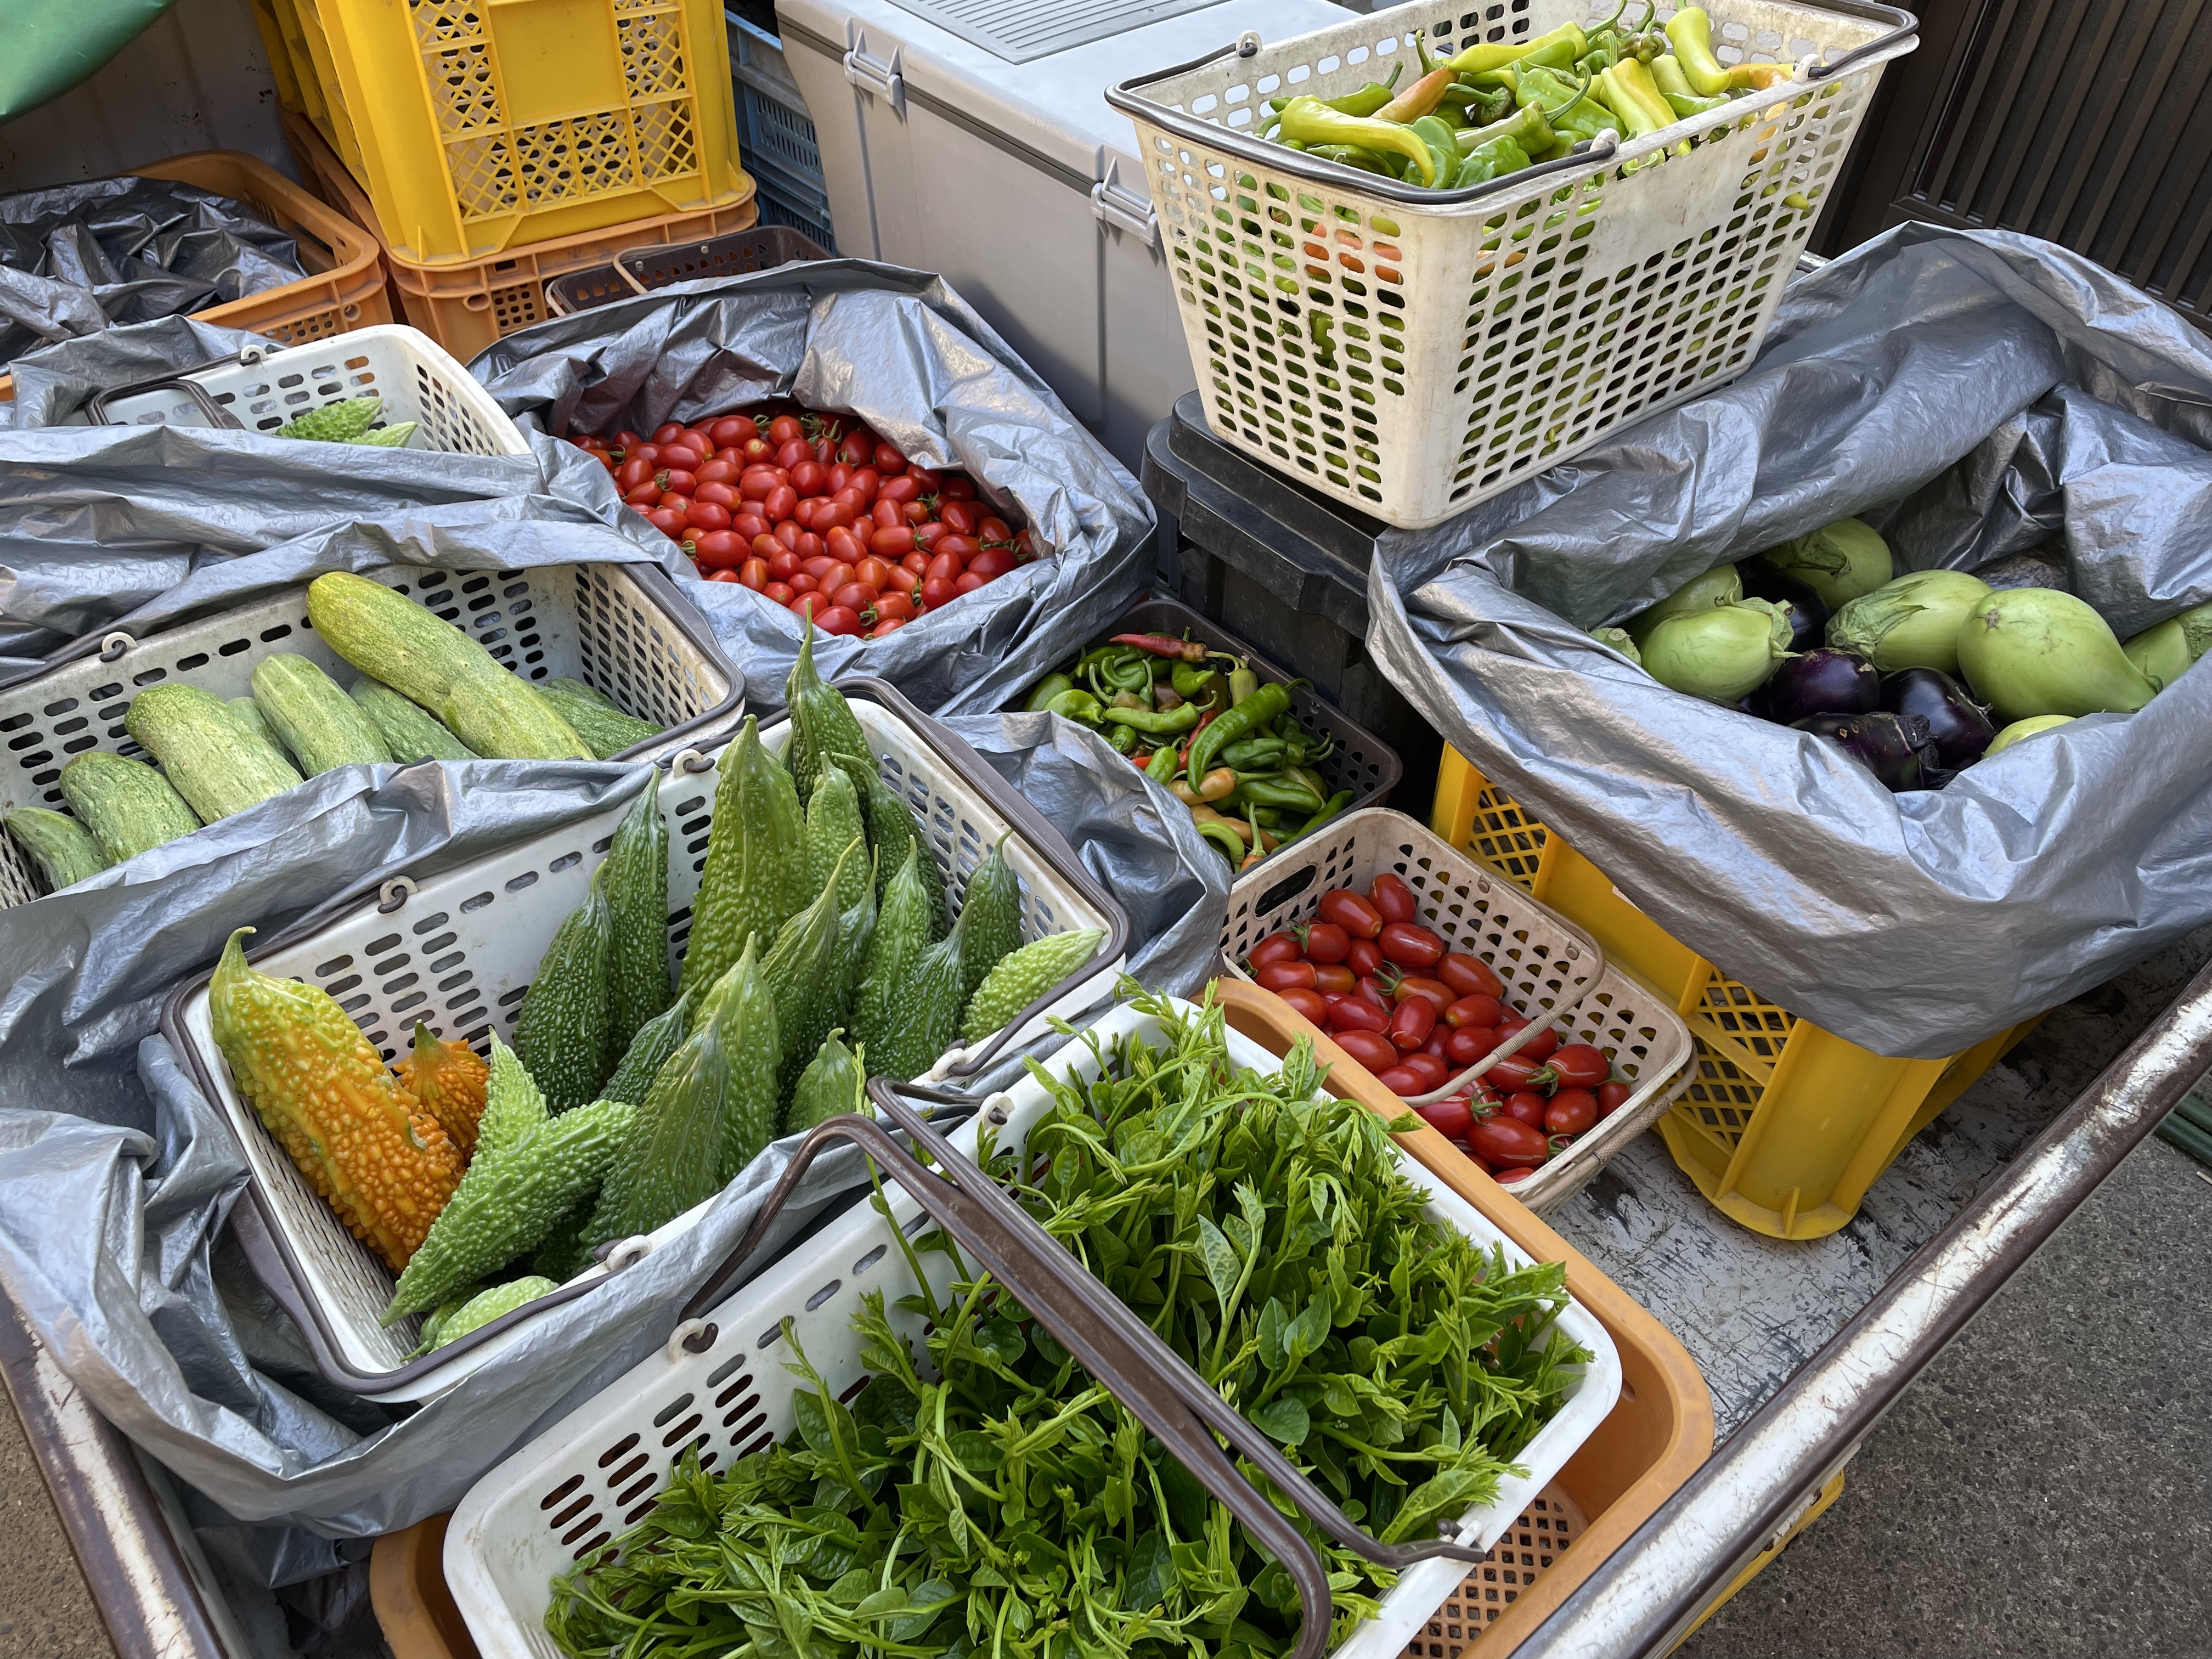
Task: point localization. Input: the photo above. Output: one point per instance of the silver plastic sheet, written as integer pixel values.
(901, 349)
(96, 522)
(117, 1176)
(1975, 396)
(78, 258)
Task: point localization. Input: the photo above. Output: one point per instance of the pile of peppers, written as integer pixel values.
(1494, 109)
(1200, 722)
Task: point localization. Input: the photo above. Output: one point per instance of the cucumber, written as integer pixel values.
(323, 727)
(607, 730)
(126, 805)
(64, 849)
(217, 762)
(577, 689)
(410, 733)
(1022, 978)
(251, 717)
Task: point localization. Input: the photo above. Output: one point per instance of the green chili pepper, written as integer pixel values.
(1161, 768)
(1321, 327)
(1181, 718)
(1123, 738)
(1352, 155)
(1076, 704)
(1365, 101)
(1255, 754)
(1482, 105)
(1267, 703)
(1491, 160)
(1604, 53)
(1242, 683)
(1226, 839)
(1312, 122)
(1192, 681)
(1047, 688)
(1336, 804)
(1674, 87)
(1442, 151)
(1578, 117)
(1277, 789)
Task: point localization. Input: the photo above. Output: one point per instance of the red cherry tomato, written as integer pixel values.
(1334, 977)
(899, 490)
(789, 534)
(1411, 1024)
(666, 519)
(1371, 1049)
(1430, 1068)
(1580, 1066)
(1470, 1045)
(803, 583)
(784, 428)
(992, 530)
(960, 517)
(914, 564)
(956, 487)
(1571, 1112)
(916, 514)
(895, 604)
(709, 515)
(962, 548)
(805, 604)
(1357, 1013)
(720, 495)
(1390, 895)
(943, 566)
(875, 572)
(1469, 976)
(1451, 1118)
(1411, 946)
(753, 572)
(1327, 942)
(887, 625)
(856, 597)
(836, 576)
(966, 582)
(1511, 1177)
(857, 447)
(1401, 1080)
(1474, 1010)
(1514, 1073)
(1611, 1098)
(808, 478)
(722, 576)
(1276, 947)
(842, 543)
(1416, 985)
(992, 563)
(1363, 956)
(627, 440)
(810, 546)
(720, 550)
(891, 542)
(1541, 1047)
(733, 429)
(782, 562)
(1375, 991)
(1506, 1142)
(936, 592)
(645, 497)
(925, 481)
(838, 619)
(630, 474)
(1309, 1004)
(1351, 913)
(780, 502)
(756, 450)
(719, 471)
(779, 591)
(1437, 1047)
(1526, 1107)
(866, 481)
(887, 460)
(756, 484)
(669, 432)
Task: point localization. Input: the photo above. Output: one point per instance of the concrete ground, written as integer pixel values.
(46, 1610)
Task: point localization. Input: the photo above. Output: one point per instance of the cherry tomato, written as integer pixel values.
(891, 542)
(1371, 1049)
(1451, 1118)
(1611, 1098)
(630, 474)
(784, 428)
(1364, 957)
(966, 582)
(1276, 947)
(719, 472)
(709, 515)
(960, 517)
(780, 502)
(1571, 1112)
(925, 482)
(783, 563)
(1470, 1045)
(1474, 1010)
(1526, 1107)
(719, 549)
(1351, 913)
(855, 596)
(899, 490)
(808, 479)
(1507, 1142)
(1401, 1080)
(842, 543)
(875, 572)
(1375, 991)
(898, 604)
(1411, 1024)
(1334, 977)
(838, 619)
(1514, 1073)
(1415, 985)
(1580, 1066)
(1436, 1045)
(753, 572)
(1411, 946)
(917, 515)
(836, 576)
(720, 495)
(779, 591)
(1511, 1177)
(865, 480)
(757, 485)
(669, 432)
(749, 523)
(943, 568)
(788, 532)
(733, 429)
(721, 576)
(993, 530)
(1286, 976)
(956, 487)
(836, 514)
(1431, 1069)
(1309, 1004)
(1541, 1047)
(1469, 976)
(756, 450)
(937, 591)
(962, 548)
(1327, 942)
(992, 563)
(887, 460)
(1391, 897)
(914, 564)
(805, 604)
(810, 546)
(645, 497)
(857, 447)
(666, 519)
(803, 583)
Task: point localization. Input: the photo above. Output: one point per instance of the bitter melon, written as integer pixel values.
(322, 726)
(66, 851)
(833, 823)
(561, 1029)
(514, 1106)
(833, 1082)
(409, 733)
(127, 805)
(902, 935)
(637, 896)
(310, 1077)
(802, 975)
(824, 730)
(606, 729)
(480, 1309)
(434, 1320)
(990, 919)
(755, 873)
(1021, 978)
(448, 1081)
(891, 831)
(649, 1050)
(335, 423)
(925, 1013)
(563, 1253)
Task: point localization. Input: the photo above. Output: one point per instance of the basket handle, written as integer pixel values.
(1904, 26)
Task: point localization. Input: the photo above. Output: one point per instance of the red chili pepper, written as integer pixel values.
(1164, 645)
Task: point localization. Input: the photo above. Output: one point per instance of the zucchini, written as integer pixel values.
(607, 730)
(755, 873)
(637, 895)
(64, 849)
(801, 974)
(323, 727)
(431, 662)
(217, 763)
(902, 935)
(1021, 978)
(126, 805)
(990, 919)
(833, 823)
(832, 1083)
(409, 733)
(561, 1029)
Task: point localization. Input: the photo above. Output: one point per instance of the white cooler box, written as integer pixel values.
(973, 138)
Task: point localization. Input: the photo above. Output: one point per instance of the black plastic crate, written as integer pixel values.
(638, 270)
(1271, 561)
(1359, 762)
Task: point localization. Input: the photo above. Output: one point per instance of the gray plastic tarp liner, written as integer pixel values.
(99, 521)
(147, 1303)
(901, 349)
(78, 258)
(1973, 395)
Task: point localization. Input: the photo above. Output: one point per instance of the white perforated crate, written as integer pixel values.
(1410, 352)
(460, 950)
(417, 378)
(578, 1486)
(622, 628)
(1554, 973)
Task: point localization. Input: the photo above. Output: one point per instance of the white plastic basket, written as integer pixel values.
(458, 950)
(1554, 973)
(622, 628)
(592, 1475)
(417, 379)
(1410, 352)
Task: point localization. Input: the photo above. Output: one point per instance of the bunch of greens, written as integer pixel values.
(991, 1498)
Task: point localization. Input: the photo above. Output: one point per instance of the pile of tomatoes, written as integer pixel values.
(1414, 1012)
(817, 513)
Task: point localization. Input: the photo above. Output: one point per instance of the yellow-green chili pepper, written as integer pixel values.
(1496, 54)
(1635, 120)
(1690, 32)
(1632, 77)
(1161, 768)
(1438, 137)
(1491, 160)
(1579, 117)
(1047, 688)
(1365, 101)
(1309, 121)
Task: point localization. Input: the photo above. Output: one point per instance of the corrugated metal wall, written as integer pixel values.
(2085, 122)
(197, 79)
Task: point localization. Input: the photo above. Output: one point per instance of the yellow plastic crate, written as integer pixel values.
(1785, 1126)
(477, 126)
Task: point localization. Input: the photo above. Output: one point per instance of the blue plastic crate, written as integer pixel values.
(772, 118)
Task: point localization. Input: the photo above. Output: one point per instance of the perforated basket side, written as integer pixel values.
(572, 1490)
(1411, 353)
(624, 629)
(458, 952)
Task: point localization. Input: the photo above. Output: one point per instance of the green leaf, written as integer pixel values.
(1221, 1267)
(1151, 1573)
(1273, 1323)
(1284, 1420)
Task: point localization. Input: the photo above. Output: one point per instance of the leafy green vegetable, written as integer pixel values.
(988, 1497)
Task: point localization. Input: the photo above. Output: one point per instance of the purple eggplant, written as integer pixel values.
(1808, 618)
(1823, 682)
(1960, 728)
(1895, 748)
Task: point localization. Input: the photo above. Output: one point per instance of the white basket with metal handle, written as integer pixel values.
(1410, 352)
